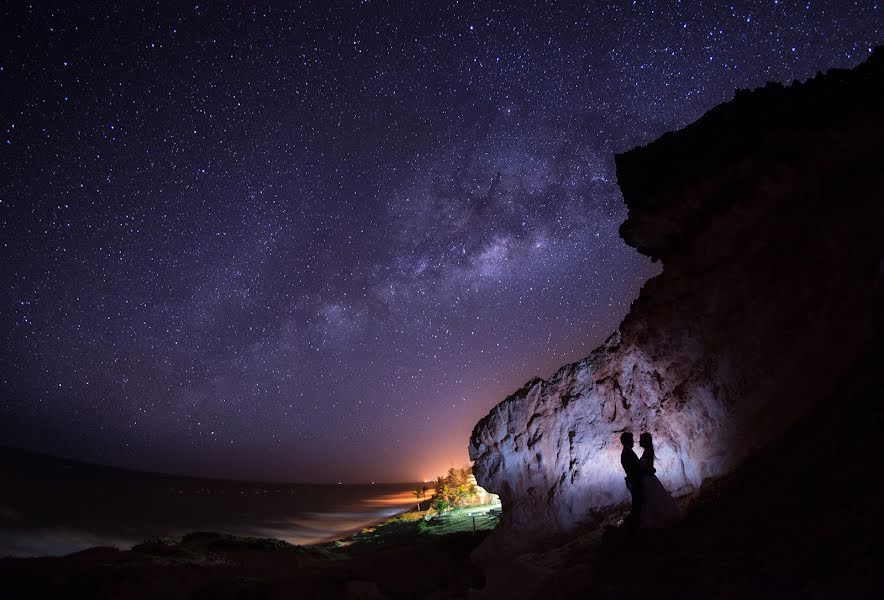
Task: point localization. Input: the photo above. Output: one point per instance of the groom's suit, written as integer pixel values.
(633, 469)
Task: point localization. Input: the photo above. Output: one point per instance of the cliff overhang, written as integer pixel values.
(767, 215)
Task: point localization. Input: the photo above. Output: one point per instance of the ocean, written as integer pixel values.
(52, 507)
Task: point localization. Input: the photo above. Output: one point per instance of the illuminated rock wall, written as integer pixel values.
(767, 214)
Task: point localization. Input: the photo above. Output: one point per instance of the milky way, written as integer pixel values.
(319, 243)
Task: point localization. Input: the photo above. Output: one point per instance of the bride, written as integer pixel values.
(658, 508)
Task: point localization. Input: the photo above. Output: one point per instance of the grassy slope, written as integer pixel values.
(411, 527)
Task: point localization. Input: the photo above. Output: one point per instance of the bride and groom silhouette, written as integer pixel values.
(652, 506)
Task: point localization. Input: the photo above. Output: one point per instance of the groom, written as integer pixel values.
(634, 472)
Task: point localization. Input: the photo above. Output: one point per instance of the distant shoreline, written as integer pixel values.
(372, 524)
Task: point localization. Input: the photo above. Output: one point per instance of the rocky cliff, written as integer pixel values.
(767, 215)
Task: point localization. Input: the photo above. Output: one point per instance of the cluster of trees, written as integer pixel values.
(456, 489)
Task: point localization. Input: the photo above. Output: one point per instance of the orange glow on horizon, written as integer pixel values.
(397, 499)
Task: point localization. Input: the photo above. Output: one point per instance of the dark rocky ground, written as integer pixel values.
(207, 565)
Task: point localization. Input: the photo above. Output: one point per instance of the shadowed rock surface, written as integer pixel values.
(767, 216)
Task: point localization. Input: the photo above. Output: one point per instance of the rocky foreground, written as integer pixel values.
(767, 215)
(405, 557)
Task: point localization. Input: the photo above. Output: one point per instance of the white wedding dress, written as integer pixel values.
(658, 509)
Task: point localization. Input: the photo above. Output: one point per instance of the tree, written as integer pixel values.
(455, 489)
(419, 493)
(441, 505)
(442, 488)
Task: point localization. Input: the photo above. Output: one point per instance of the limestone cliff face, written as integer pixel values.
(768, 217)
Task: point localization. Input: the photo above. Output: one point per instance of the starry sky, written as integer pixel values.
(318, 242)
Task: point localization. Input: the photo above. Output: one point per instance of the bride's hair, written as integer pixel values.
(645, 441)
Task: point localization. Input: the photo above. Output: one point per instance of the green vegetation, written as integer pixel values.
(420, 493)
(415, 526)
(456, 489)
(460, 520)
(457, 506)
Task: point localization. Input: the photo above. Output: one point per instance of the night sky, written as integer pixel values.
(319, 243)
